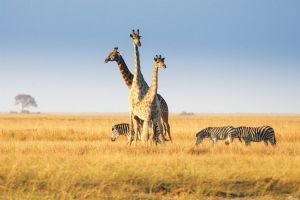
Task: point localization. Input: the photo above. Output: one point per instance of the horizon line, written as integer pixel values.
(125, 113)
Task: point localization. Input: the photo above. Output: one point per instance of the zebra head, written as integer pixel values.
(114, 134)
(201, 135)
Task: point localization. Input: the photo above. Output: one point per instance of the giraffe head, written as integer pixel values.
(159, 62)
(113, 56)
(136, 37)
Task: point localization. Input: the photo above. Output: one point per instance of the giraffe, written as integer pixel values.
(150, 98)
(137, 93)
(127, 76)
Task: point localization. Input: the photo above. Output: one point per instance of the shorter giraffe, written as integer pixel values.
(146, 104)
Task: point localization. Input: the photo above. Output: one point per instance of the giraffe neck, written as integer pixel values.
(126, 74)
(153, 88)
(137, 70)
(137, 78)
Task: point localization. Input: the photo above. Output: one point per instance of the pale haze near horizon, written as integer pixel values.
(221, 56)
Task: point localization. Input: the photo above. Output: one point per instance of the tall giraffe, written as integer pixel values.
(137, 93)
(127, 76)
(150, 99)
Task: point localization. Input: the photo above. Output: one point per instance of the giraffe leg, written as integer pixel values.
(136, 129)
(160, 130)
(140, 125)
(151, 133)
(169, 132)
(131, 131)
(145, 133)
(155, 136)
(164, 129)
(152, 136)
(140, 132)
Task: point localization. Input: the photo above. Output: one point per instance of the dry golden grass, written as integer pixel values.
(72, 157)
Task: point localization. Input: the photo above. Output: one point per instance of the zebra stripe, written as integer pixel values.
(227, 133)
(256, 134)
(121, 129)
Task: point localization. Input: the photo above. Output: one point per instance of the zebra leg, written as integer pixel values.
(228, 140)
(240, 139)
(214, 141)
(266, 142)
(247, 142)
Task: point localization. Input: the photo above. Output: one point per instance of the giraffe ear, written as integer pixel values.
(155, 59)
(131, 35)
(163, 59)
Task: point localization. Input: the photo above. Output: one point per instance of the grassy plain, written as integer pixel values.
(72, 157)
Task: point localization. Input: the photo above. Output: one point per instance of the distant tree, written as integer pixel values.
(25, 100)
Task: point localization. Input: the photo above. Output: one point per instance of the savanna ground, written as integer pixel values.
(72, 157)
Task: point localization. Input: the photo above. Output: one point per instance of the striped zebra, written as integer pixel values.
(227, 133)
(121, 129)
(256, 134)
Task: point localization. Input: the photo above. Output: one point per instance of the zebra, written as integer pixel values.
(122, 129)
(227, 133)
(256, 134)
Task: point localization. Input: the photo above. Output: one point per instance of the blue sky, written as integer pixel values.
(222, 56)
